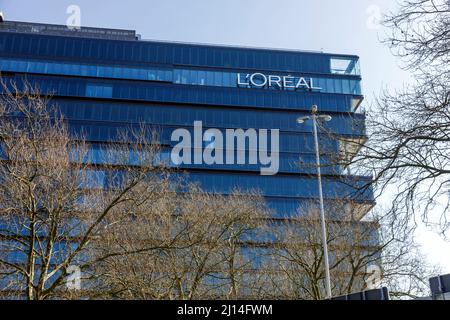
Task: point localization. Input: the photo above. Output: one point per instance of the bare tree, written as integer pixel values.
(408, 152)
(56, 200)
(418, 32)
(206, 261)
(301, 257)
(356, 249)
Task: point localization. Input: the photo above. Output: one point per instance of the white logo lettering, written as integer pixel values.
(240, 147)
(260, 80)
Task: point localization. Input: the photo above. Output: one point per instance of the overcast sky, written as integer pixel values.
(344, 26)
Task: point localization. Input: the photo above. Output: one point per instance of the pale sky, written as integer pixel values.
(344, 26)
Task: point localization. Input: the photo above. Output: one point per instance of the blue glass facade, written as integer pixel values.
(162, 74)
(106, 85)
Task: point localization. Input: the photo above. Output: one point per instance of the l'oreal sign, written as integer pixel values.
(260, 80)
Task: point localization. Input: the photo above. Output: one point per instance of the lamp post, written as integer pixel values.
(314, 117)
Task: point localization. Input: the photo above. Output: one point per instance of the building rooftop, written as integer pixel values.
(123, 34)
(62, 30)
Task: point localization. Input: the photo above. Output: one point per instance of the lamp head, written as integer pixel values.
(325, 118)
(302, 120)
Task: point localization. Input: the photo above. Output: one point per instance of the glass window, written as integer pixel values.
(96, 112)
(160, 74)
(209, 78)
(107, 91)
(177, 76)
(4, 65)
(202, 78)
(108, 71)
(92, 71)
(30, 67)
(338, 86)
(21, 65)
(117, 73)
(184, 76)
(226, 58)
(94, 179)
(251, 60)
(193, 77)
(341, 65)
(186, 55)
(99, 91)
(226, 81)
(209, 57)
(330, 86)
(169, 75)
(355, 87)
(217, 79)
(101, 71)
(202, 55)
(132, 73)
(84, 70)
(346, 86)
(321, 83)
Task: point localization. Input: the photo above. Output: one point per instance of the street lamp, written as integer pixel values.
(314, 116)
